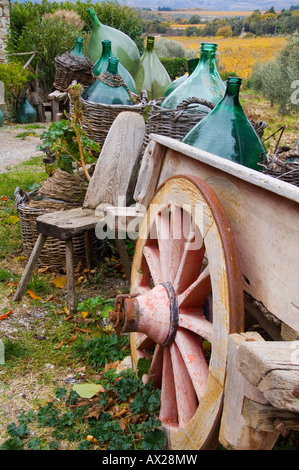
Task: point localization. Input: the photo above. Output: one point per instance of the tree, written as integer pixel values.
(225, 31)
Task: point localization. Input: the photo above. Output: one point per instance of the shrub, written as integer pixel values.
(225, 31)
(175, 67)
(14, 77)
(51, 37)
(169, 48)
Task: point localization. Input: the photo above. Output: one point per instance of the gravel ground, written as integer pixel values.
(14, 150)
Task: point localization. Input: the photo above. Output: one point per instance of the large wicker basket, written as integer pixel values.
(53, 253)
(278, 166)
(176, 123)
(98, 118)
(69, 67)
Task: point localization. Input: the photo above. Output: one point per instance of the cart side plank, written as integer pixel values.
(263, 212)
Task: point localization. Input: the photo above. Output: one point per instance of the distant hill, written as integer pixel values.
(219, 5)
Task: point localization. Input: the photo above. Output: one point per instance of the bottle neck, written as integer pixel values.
(78, 49)
(150, 44)
(93, 17)
(106, 48)
(233, 90)
(113, 66)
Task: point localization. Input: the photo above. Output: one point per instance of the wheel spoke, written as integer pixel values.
(195, 362)
(151, 254)
(176, 241)
(197, 323)
(144, 342)
(157, 366)
(191, 261)
(163, 228)
(168, 409)
(185, 393)
(197, 293)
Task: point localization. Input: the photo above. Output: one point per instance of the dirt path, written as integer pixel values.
(14, 150)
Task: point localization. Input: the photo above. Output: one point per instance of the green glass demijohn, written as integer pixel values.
(205, 82)
(227, 132)
(109, 88)
(102, 64)
(26, 113)
(1, 118)
(191, 63)
(78, 49)
(151, 75)
(123, 47)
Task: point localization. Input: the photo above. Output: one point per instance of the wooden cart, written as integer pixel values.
(217, 241)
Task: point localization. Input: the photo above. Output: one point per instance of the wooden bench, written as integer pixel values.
(112, 184)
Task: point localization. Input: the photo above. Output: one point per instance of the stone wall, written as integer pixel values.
(4, 24)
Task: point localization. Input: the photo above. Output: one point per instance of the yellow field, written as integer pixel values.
(237, 54)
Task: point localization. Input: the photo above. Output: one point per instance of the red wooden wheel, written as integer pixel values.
(186, 298)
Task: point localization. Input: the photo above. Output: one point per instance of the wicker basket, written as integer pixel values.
(53, 253)
(276, 165)
(69, 67)
(176, 123)
(98, 118)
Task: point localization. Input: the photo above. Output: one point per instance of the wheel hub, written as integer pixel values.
(154, 314)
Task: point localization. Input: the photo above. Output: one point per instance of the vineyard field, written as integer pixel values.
(237, 54)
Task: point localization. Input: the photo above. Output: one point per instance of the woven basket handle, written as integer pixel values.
(20, 197)
(192, 100)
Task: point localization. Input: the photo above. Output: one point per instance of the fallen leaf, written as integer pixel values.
(33, 295)
(88, 390)
(122, 424)
(19, 258)
(4, 198)
(84, 314)
(112, 365)
(59, 282)
(66, 310)
(51, 297)
(12, 219)
(92, 439)
(94, 413)
(60, 344)
(43, 270)
(5, 315)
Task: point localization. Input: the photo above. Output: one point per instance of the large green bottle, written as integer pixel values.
(151, 75)
(109, 88)
(102, 64)
(227, 132)
(205, 82)
(26, 113)
(123, 47)
(78, 49)
(191, 64)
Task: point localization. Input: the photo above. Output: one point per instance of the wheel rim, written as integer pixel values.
(185, 240)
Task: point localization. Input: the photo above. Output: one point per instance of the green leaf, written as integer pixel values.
(154, 440)
(14, 443)
(87, 390)
(143, 366)
(34, 444)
